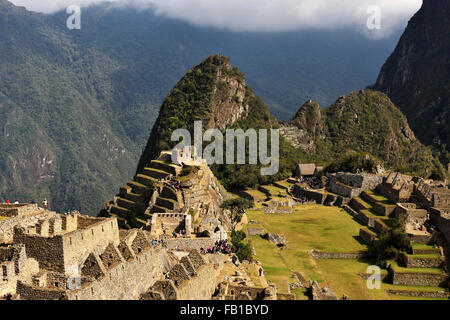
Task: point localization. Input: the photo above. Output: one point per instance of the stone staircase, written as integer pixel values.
(131, 205)
(374, 218)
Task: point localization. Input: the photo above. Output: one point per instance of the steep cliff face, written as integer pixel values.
(212, 92)
(365, 121)
(309, 118)
(417, 75)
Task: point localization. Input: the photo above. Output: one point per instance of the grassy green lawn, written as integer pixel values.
(327, 229)
(377, 197)
(400, 269)
(256, 194)
(274, 191)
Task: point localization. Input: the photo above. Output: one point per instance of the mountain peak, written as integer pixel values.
(308, 118)
(417, 75)
(212, 92)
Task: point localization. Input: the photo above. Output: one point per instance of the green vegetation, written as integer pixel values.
(327, 229)
(391, 243)
(237, 206)
(309, 227)
(352, 162)
(240, 247)
(363, 129)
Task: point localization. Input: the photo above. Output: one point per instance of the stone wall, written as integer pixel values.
(311, 195)
(365, 219)
(193, 278)
(61, 252)
(15, 266)
(423, 294)
(255, 231)
(238, 292)
(343, 190)
(13, 210)
(7, 225)
(204, 194)
(418, 279)
(338, 255)
(125, 281)
(383, 209)
(367, 236)
(168, 223)
(421, 262)
(351, 185)
(380, 226)
(444, 226)
(415, 218)
(201, 286)
(189, 244)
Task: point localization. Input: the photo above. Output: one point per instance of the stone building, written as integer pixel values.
(15, 266)
(167, 223)
(305, 169)
(351, 185)
(397, 187)
(13, 215)
(193, 278)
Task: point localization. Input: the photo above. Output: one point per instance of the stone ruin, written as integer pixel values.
(71, 256)
(279, 241)
(321, 293)
(14, 266)
(24, 215)
(349, 185)
(397, 187)
(167, 223)
(76, 257)
(415, 217)
(279, 207)
(228, 291)
(192, 278)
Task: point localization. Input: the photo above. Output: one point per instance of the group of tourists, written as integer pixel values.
(221, 246)
(44, 203)
(9, 202)
(174, 183)
(312, 182)
(159, 242)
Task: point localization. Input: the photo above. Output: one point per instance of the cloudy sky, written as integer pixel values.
(264, 15)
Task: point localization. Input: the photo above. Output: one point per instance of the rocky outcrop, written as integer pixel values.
(417, 74)
(276, 239)
(212, 92)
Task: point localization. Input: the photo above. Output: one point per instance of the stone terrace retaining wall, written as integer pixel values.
(189, 244)
(423, 294)
(316, 196)
(367, 236)
(339, 255)
(417, 262)
(418, 279)
(385, 210)
(255, 231)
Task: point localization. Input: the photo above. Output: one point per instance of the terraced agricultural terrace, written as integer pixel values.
(328, 229)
